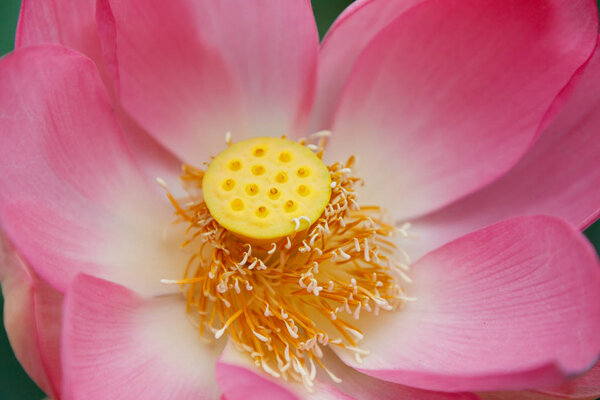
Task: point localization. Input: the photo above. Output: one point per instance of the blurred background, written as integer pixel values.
(14, 382)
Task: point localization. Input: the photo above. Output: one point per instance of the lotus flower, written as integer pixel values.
(475, 121)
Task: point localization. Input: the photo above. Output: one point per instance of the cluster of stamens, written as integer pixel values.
(283, 300)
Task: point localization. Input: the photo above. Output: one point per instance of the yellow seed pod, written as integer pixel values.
(266, 188)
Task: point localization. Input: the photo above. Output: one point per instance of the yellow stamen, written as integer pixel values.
(312, 271)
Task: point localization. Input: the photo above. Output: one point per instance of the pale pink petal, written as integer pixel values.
(239, 378)
(32, 319)
(72, 198)
(451, 94)
(117, 345)
(72, 23)
(190, 71)
(558, 176)
(154, 160)
(512, 306)
(348, 36)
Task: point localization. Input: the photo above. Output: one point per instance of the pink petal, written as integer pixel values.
(190, 71)
(239, 378)
(510, 307)
(117, 345)
(72, 23)
(517, 396)
(72, 198)
(32, 319)
(451, 94)
(348, 36)
(584, 387)
(559, 176)
(68, 22)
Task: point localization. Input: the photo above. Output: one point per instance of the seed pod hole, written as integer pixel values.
(274, 193)
(285, 157)
(281, 177)
(258, 170)
(252, 189)
(302, 172)
(290, 206)
(262, 212)
(303, 190)
(235, 165)
(228, 184)
(237, 205)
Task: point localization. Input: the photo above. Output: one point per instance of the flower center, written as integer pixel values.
(284, 260)
(266, 188)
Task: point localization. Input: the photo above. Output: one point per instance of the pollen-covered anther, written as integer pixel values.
(282, 294)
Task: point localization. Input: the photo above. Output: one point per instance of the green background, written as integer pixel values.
(14, 382)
